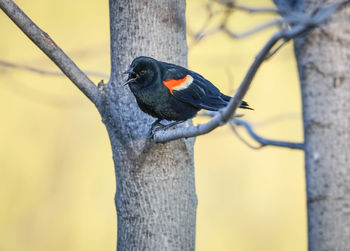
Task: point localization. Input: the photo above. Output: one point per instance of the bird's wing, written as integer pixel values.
(192, 88)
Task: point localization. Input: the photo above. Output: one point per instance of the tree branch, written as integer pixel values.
(274, 51)
(230, 6)
(7, 64)
(264, 141)
(301, 27)
(51, 49)
(277, 22)
(261, 140)
(255, 10)
(223, 27)
(242, 139)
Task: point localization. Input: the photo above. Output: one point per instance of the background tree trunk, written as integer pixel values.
(323, 59)
(156, 201)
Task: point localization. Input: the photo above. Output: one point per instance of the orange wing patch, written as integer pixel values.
(178, 84)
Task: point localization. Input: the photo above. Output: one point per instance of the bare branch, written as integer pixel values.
(225, 114)
(242, 139)
(51, 49)
(274, 51)
(264, 141)
(232, 5)
(256, 10)
(7, 64)
(252, 31)
(202, 33)
(261, 140)
(229, 7)
(197, 35)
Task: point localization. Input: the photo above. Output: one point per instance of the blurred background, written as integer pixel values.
(56, 173)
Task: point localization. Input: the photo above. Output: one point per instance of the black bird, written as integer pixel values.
(171, 92)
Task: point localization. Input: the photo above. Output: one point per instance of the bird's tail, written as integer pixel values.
(243, 104)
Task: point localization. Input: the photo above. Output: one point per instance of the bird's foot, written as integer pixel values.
(162, 127)
(156, 124)
(170, 125)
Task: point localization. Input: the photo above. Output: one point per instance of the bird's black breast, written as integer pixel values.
(157, 101)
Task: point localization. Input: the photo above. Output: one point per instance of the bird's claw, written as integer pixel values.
(156, 126)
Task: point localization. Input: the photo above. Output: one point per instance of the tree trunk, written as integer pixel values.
(155, 198)
(324, 69)
(323, 59)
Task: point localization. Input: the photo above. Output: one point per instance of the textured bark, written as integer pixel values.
(155, 199)
(323, 59)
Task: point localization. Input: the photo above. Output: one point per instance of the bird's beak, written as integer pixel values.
(129, 80)
(130, 70)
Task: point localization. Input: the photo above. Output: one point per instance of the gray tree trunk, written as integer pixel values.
(155, 199)
(323, 59)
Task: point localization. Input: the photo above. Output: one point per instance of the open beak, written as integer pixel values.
(130, 70)
(130, 78)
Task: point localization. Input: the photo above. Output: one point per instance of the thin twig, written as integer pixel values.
(7, 64)
(226, 114)
(274, 51)
(197, 35)
(229, 7)
(256, 10)
(223, 28)
(232, 125)
(232, 5)
(51, 49)
(264, 141)
(261, 140)
(252, 31)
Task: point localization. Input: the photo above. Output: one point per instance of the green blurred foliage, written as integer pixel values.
(56, 171)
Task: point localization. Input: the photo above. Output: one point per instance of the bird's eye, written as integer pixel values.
(132, 75)
(143, 72)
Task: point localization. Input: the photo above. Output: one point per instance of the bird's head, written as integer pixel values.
(142, 71)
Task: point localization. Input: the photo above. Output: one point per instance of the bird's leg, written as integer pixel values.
(154, 124)
(154, 129)
(166, 127)
(157, 121)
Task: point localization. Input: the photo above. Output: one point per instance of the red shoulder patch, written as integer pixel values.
(178, 84)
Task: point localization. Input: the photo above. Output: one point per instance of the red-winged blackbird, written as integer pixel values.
(171, 92)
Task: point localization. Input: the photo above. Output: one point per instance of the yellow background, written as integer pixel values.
(56, 172)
